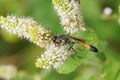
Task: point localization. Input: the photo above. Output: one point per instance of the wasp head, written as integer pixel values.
(54, 39)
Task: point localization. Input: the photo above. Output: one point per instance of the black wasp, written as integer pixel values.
(65, 39)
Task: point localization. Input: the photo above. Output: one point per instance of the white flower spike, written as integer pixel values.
(26, 27)
(7, 72)
(70, 16)
(53, 57)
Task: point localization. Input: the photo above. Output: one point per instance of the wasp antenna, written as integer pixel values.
(83, 40)
(94, 49)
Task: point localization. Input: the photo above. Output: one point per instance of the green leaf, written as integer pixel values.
(23, 76)
(53, 75)
(70, 65)
(111, 70)
(82, 53)
(117, 77)
(93, 78)
(102, 46)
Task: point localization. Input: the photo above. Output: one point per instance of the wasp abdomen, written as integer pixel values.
(92, 48)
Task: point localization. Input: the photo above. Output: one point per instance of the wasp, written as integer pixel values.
(65, 39)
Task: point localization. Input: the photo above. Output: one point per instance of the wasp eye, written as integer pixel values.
(54, 38)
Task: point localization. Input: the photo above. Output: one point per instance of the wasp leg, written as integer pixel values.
(71, 47)
(74, 50)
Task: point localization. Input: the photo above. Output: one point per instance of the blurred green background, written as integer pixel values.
(22, 53)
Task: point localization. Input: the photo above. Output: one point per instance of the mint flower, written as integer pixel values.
(107, 11)
(70, 16)
(53, 57)
(7, 72)
(26, 27)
